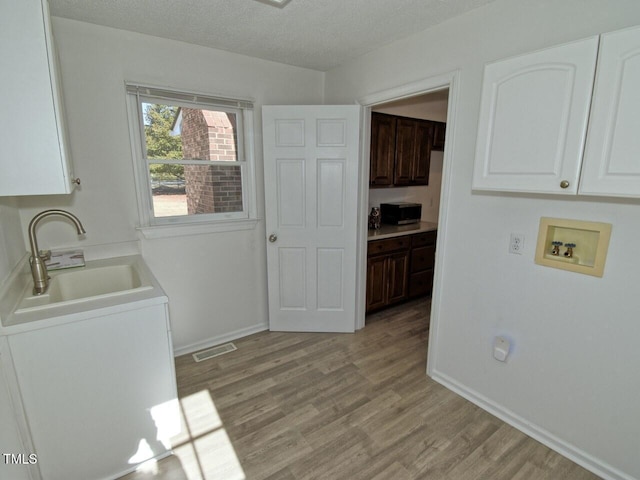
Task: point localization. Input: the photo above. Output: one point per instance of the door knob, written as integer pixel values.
(273, 237)
(564, 184)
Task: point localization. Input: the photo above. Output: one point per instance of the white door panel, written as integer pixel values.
(612, 162)
(533, 120)
(311, 156)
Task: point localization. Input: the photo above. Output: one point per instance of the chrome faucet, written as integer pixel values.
(38, 267)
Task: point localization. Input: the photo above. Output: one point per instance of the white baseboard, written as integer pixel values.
(217, 340)
(591, 463)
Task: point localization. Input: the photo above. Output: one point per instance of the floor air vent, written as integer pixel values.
(214, 352)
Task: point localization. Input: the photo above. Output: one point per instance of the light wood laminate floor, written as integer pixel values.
(295, 406)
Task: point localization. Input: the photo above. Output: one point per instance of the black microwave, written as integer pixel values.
(400, 213)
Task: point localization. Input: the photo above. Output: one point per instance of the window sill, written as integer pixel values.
(166, 231)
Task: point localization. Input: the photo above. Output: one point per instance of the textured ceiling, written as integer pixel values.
(316, 34)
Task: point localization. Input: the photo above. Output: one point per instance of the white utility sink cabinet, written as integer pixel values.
(91, 382)
(546, 127)
(89, 389)
(35, 156)
(10, 437)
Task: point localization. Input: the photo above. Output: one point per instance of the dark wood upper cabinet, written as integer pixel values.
(439, 129)
(383, 149)
(403, 157)
(422, 155)
(405, 150)
(413, 151)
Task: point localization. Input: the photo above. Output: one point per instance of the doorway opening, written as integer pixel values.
(405, 173)
(441, 93)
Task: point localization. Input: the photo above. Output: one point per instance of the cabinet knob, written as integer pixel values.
(273, 237)
(76, 181)
(564, 184)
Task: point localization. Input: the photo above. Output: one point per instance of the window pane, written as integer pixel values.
(162, 141)
(188, 133)
(178, 133)
(195, 189)
(168, 190)
(213, 188)
(209, 135)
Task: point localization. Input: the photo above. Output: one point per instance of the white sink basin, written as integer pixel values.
(100, 284)
(84, 284)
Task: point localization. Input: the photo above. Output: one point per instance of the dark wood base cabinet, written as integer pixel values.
(399, 269)
(423, 256)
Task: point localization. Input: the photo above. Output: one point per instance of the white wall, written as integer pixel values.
(432, 106)
(572, 378)
(216, 283)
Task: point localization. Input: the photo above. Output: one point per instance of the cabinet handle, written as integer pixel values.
(564, 184)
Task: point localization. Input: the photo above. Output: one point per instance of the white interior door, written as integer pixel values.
(311, 156)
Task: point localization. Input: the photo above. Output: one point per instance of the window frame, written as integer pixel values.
(155, 227)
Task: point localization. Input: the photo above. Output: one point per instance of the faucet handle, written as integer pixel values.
(45, 254)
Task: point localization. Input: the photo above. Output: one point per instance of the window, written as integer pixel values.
(193, 157)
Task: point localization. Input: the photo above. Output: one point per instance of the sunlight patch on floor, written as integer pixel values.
(203, 446)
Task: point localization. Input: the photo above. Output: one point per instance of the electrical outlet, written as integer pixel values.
(516, 244)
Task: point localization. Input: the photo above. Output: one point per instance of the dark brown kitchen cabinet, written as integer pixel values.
(383, 149)
(403, 157)
(399, 268)
(439, 129)
(377, 268)
(387, 272)
(423, 255)
(413, 152)
(398, 287)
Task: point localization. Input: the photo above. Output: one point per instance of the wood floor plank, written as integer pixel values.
(395, 471)
(266, 432)
(319, 430)
(346, 450)
(302, 406)
(281, 451)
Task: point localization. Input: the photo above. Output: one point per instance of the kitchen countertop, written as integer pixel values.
(390, 231)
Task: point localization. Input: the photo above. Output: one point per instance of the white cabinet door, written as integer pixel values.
(533, 120)
(19, 465)
(611, 163)
(99, 394)
(34, 158)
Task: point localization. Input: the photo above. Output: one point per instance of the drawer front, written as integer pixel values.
(421, 239)
(422, 258)
(389, 245)
(420, 283)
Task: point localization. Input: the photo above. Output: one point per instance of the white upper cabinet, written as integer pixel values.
(35, 158)
(533, 120)
(612, 154)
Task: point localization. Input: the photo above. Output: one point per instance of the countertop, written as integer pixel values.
(390, 231)
(11, 322)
